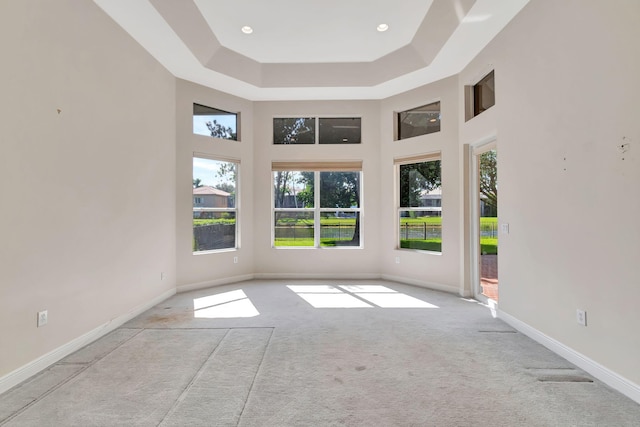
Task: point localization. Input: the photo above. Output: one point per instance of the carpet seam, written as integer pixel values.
(255, 376)
(65, 381)
(195, 377)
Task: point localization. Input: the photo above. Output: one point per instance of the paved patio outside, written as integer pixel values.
(489, 276)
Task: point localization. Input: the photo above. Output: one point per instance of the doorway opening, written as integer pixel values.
(484, 197)
(488, 222)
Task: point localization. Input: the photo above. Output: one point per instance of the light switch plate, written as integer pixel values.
(581, 317)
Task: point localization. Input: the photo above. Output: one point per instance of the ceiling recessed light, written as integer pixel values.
(247, 29)
(382, 27)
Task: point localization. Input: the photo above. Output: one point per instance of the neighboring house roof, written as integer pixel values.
(208, 190)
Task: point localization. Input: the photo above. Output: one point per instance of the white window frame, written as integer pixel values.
(316, 168)
(397, 134)
(470, 96)
(316, 118)
(230, 113)
(420, 158)
(235, 209)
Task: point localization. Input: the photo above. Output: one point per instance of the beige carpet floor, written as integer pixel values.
(315, 353)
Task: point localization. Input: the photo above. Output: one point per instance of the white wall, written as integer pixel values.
(87, 192)
(326, 262)
(113, 192)
(440, 271)
(567, 92)
(209, 268)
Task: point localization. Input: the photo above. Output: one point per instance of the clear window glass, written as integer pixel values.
(216, 123)
(214, 204)
(419, 121)
(300, 130)
(340, 130)
(484, 94)
(420, 210)
(340, 192)
(293, 189)
(294, 228)
(323, 216)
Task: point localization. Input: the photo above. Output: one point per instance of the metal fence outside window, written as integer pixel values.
(337, 231)
(422, 231)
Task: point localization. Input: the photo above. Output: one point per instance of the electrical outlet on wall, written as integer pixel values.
(43, 318)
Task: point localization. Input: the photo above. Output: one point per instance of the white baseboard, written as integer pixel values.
(317, 276)
(212, 283)
(421, 283)
(30, 369)
(607, 376)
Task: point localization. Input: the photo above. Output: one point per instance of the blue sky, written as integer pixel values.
(206, 170)
(200, 123)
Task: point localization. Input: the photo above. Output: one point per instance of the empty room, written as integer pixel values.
(285, 213)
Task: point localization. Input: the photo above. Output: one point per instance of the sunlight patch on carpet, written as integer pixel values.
(226, 305)
(356, 296)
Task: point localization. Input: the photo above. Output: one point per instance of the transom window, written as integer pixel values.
(317, 205)
(419, 218)
(324, 130)
(480, 96)
(215, 204)
(418, 121)
(216, 123)
(484, 94)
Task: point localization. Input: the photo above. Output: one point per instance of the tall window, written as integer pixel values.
(418, 121)
(419, 203)
(216, 123)
(317, 204)
(324, 130)
(215, 207)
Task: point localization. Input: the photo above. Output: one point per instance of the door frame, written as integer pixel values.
(475, 150)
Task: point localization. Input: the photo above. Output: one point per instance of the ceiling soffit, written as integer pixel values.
(178, 36)
(188, 23)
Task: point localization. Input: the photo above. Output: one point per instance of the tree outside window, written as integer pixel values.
(420, 205)
(324, 215)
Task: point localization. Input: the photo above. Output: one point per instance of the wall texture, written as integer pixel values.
(440, 271)
(95, 177)
(209, 268)
(327, 262)
(87, 167)
(566, 99)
